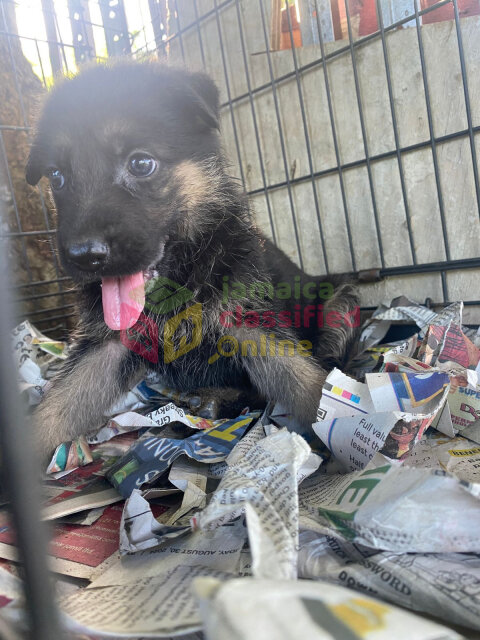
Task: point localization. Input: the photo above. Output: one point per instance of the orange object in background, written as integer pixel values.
(368, 17)
(465, 8)
(363, 15)
(285, 40)
(301, 19)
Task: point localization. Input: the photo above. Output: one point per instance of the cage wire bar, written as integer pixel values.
(120, 41)
(364, 137)
(19, 472)
(281, 136)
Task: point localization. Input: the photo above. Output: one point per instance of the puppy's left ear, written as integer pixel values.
(206, 99)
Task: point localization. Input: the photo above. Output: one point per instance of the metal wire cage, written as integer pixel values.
(357, 145)
(353, 126)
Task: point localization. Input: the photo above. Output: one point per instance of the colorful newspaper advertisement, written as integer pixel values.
(153, 455)
(389, 413)
(343, 396)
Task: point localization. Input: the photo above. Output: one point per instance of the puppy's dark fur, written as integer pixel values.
(189, 220)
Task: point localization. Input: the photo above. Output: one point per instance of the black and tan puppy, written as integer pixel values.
(146, 208)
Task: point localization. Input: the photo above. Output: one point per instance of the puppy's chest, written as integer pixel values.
(185, 330)
(179, 341)
(183, 348)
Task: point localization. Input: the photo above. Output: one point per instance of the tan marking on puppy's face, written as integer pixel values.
(196, 186)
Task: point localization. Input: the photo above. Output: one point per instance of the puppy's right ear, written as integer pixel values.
(35, 162)
(206, 99)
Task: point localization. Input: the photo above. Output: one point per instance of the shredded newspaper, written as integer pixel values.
(165, 524)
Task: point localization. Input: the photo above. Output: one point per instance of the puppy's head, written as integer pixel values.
(127, 150)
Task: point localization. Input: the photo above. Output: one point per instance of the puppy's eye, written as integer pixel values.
(141, 165)
(57, 179)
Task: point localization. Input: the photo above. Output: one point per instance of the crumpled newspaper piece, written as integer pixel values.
(130, 421)
(249, 609)
(387, 413)
(394, 507)
(444, 349)
(450, 349)
(256, 433)
(191, 478)
(446, 585)
(263, 485)
(402, 309)
(219, 549)
(140, 530)
(152, 455)
(447, 349)
(33, 355)
(458, 456)
(154, 606)
(70, 455)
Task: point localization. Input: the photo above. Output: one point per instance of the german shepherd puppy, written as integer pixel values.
(156, 234)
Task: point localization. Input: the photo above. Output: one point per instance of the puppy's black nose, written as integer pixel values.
(89, 255)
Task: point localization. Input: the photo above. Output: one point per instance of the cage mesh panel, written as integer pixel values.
(332, 202)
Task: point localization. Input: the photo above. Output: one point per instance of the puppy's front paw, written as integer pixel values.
(208, 408)
(48, 432)
(227, 402)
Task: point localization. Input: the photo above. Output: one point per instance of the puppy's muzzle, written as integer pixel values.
(90, 255)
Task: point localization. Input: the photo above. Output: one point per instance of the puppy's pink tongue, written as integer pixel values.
(123, 300)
